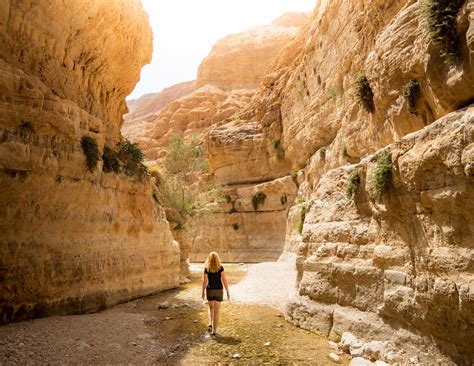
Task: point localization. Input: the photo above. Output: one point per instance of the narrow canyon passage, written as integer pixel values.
(139, 332)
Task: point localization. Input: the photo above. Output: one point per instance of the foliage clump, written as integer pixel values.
(412, 94)
(91, 151)
(284, 199)
(235, 226)
(132, 156)
(176, 182)
(440, 20)
(280, 153)
(258, 200)
(353, 183)
(382, 177)
(111, 161)
(344, 152)
(301, 218)
(227, 198)
(183, 156)
(364, 93)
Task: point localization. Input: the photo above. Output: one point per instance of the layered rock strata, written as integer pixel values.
(71, 240)
(385, 263)
(400, 267)
(144, 110)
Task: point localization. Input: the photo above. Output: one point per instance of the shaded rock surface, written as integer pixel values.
(72, 241)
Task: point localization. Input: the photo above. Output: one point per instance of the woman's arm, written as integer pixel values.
(224, 282)
(204, 284)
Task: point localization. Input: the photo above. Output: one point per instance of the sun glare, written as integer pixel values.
(184, 32)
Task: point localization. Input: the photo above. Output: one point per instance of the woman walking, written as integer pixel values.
(213, 282)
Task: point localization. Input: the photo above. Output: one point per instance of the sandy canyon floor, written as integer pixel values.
(139, 332)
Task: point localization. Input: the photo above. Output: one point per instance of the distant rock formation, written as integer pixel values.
(144, 110)
(239, 61)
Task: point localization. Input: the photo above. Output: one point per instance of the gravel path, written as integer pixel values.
(141, 332)
(267, 283)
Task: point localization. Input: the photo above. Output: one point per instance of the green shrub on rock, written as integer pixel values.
(258, 200)
(364, 93)
(91, 151)
(353, 183)
(412, 94)
(132, 156)
(301, 218)
(382, 178)
(111, 161)
(440, 20)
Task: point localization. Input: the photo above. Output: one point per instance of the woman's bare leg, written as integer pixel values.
(210, 312)
(216, 316)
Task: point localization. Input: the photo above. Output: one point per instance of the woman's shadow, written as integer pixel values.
(227, 340)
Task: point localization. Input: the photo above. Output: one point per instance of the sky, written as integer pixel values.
(184, 32)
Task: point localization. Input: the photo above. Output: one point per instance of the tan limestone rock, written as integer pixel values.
(73, 241)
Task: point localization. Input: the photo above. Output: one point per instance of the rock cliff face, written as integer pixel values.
(239, 61)
(398, 268)
(70, 240)
(144, 110)
(221, 89)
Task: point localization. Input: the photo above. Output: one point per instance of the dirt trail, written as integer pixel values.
(139, 332)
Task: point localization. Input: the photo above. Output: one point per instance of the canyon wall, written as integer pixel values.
(399, 268)
(227, 80)
(144, 110)
(73, 240)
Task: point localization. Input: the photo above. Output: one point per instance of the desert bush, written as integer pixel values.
(235, 226)
(177, 180)
(226, 198)
(382, 177)
(111, 161)
(364, 93)
(132, 157)
(184, 157)
(280, 153)
(344, 152)
(440, 19)
(301, 218)
(283, 199)
(353, 183)
(258, 200)
(333, 93)
(412, 94)
(91, 151)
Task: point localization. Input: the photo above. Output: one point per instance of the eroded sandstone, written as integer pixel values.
(71, 240)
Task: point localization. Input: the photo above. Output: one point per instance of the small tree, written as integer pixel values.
(174, 183)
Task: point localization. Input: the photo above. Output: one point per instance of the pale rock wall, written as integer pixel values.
(238, 231)
(144, 110)
(399, 270)
(405, 260)
(239, 61)
(72, 241)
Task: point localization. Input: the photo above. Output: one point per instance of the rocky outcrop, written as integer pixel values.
(243, 228)
(221, 91)
(72, 240)
(402, 265)
(374, 268)
(144, 110)
(239, 61)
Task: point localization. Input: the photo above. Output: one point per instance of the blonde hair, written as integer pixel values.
(213, 262)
